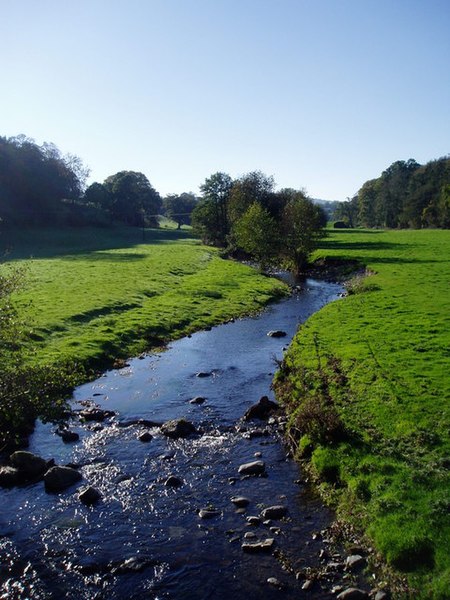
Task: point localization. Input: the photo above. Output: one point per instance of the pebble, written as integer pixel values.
(354, 561)
(253, 520)
(240, 501)
(274, 581)
(308, 584)
(353, 594)
(208, 513)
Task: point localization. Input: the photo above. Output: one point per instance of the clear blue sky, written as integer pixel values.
(321, 94)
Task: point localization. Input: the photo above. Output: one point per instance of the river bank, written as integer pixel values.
(366, 385)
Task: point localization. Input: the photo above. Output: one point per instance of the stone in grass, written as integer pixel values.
(58, 479)
(89, 496)
(256, 467)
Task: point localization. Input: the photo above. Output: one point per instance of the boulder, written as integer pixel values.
(202, 374)
(58, 479)
(355, 561)
(353, 594)
(274, 512)
(256, 547)
(277, 333)
(89, 496)
(209, 513)
(67, 436)
(197, 400)
(173, 481)
(178, 428)
(9, 476)
(142, 422)
(256, 467)
(95, 414)
(28, 464)
(145, 436)
(240, 501)
(261, 410)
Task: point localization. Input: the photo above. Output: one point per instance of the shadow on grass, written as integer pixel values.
(45, 242)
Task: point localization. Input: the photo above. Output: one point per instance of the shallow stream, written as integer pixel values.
(144, 539)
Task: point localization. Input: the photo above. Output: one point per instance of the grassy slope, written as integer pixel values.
(98, 294)
(392, 393)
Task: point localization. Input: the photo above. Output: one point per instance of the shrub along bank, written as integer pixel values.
(90, 296)
(366, 381)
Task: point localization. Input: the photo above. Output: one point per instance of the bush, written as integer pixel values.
(326, 464)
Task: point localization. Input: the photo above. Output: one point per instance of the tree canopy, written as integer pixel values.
(179, 207)
(37, 182)
(406, 194)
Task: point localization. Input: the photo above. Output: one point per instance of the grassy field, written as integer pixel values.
(93, 295)
(367, 380)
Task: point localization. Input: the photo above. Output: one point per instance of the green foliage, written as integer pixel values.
(179, 207)
(131, 199)
(405, 195)
(384, 356)
(35, 181)
(257, 233)
(210, 216)
(326, 464)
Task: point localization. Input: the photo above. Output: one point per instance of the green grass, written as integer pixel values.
(378, 361)
(93, 295)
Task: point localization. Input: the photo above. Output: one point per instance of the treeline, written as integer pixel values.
(38, 185)
(247, 215)
(406, 195)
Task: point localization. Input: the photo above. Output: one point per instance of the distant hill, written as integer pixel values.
(329, 206)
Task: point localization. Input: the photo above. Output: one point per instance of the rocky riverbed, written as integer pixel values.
(171, 480)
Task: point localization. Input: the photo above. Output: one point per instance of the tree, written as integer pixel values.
(35, 181)
(250, 188)
(301, 230)
(179, 208)
(210, 216)
(258, 234)
(132, 199)
(348, 211)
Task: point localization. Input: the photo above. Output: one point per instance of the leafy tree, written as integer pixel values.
(258, 234)
(302, 227)
(210, 216)
(250, 188)
(179, 207)
(132, 199)
(35, 181)
(348, 211)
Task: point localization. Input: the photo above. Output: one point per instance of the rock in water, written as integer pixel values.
(261, 410)
(173, 481)
(255, 547)
(28, 464)
(9, 476)
(274, 512)
(240, 501)
(58, 479)
(178, 428)
(277, 333)
(209, 513)
(353, 594)
(89, 495)
(256, 467)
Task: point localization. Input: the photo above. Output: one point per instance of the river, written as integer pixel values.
(145, 539)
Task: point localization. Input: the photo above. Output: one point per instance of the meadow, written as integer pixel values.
(367, 383)
(95, 295)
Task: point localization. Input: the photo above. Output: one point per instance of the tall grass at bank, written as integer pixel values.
(367, 381)
(93, 295)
